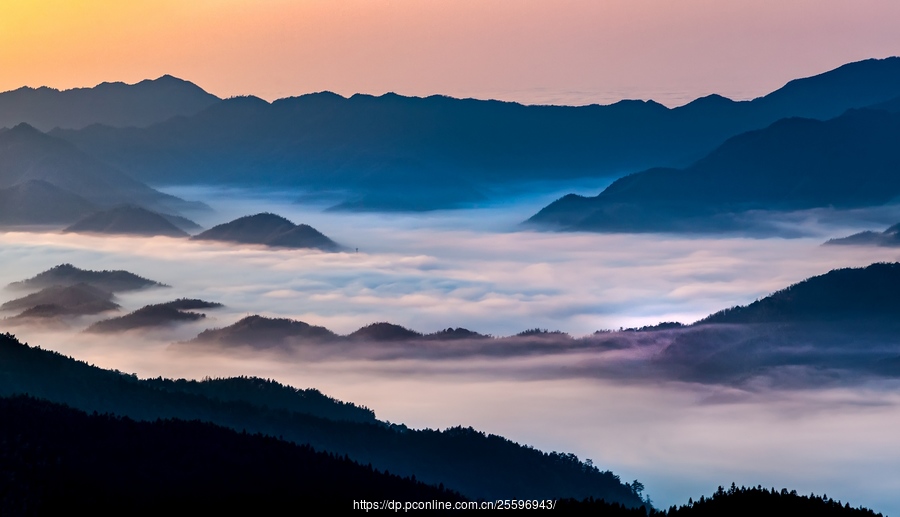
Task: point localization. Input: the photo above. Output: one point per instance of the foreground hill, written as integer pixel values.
(395, 152)
(846, 162)
(466, 460)
(113, 104)
(67, 274)
(269, 230)
(60, 460)
(127, 220)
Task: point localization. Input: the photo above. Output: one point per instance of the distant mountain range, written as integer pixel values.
(114, 104)
(268, 230)
(847, 162)
(393, 152)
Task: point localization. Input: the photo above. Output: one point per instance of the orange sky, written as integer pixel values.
(565, 51)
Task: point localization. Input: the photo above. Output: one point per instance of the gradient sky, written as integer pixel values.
(533, 51)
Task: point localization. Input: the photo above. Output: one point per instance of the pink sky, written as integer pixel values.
(533, 51)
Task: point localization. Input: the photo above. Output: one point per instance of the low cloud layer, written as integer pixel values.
(683, 411)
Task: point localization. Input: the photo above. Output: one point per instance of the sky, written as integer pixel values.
(531, 51)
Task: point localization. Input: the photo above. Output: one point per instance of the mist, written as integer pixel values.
(476, 268)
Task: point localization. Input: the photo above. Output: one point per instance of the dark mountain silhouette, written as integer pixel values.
(478, 465)
(67, 274)
(734, 501)
(852, 294)
(889, 237)
(190, 304)
(262, 332)
(267, 393)
(268, 230)
(77, 299)
(37, 202)
(127, 220)
(149, 316)
(113, 104)
(849, 161)
(60, 460)
(451, 334)
(259, 331)
(383, 331)
(446, 151)
(27, 154)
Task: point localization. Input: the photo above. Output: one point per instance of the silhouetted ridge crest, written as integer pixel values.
(111, 103)
(849, 293)
(407, 153)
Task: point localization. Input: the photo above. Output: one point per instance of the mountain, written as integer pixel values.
(850, 294)
(160, 315)
(27, 154)
(58, 460)
(463, 459)
(36, 202)
(262, 332)
(384, 331)
(113, 104)
(269, 230)
(67, 274)
(190, 304)
(452, 334)
(77, 299)
(889, 237)
(846, 162)
(127, 220)
(409, 153)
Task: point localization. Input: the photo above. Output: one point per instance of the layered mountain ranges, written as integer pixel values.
(847, 162)
(28, 155)
(405, 153)
(841, 326)
(844, 322)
